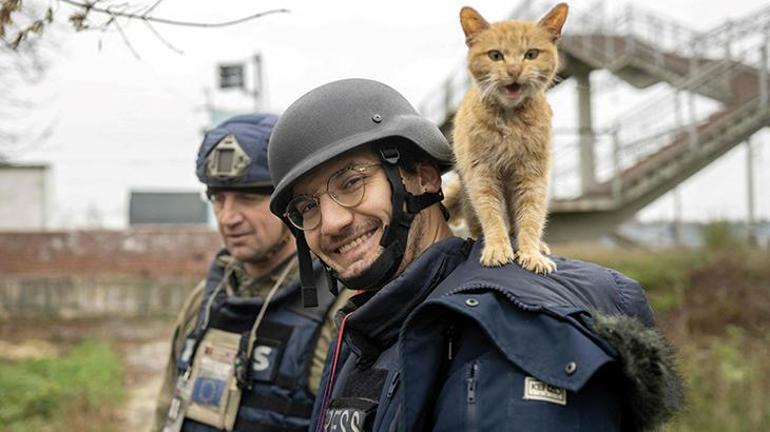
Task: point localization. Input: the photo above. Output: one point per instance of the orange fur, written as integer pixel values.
(502, 135)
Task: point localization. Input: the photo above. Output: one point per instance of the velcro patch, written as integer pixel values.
(350, 415)
(538, 390)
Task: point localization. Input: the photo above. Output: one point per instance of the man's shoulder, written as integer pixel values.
(575, 286)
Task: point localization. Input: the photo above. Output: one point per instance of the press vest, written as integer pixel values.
(279, 399)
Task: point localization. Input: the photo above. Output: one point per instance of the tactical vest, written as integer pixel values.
(278, 399)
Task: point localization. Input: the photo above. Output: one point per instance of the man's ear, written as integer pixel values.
(428, 177)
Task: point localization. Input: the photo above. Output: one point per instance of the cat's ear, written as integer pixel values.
(554, 20)
(472, 23)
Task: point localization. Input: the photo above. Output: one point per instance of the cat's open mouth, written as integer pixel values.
(512, 90)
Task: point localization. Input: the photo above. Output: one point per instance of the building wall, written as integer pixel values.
(23, 197)
(74, 274)
(142, 252)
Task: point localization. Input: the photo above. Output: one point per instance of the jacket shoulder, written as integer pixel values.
(562, 328)
(576, 285)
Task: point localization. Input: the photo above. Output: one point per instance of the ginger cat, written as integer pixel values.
(502, 136)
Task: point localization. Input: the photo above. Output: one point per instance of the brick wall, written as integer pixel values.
(138, 272)
(163, 253)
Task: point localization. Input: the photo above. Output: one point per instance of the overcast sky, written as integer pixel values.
(123, 123)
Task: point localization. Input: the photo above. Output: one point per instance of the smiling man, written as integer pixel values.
(245, 354)
(435, 341)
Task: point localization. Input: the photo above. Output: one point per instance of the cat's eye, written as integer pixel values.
(495, 55)
(532, 54)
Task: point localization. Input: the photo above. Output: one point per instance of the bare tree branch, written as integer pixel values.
(162, 39)
(93, 7)
(125, 38)
(151, 8)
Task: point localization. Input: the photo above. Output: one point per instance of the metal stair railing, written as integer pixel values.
(721, 40)
(671, 118)
(660, 121)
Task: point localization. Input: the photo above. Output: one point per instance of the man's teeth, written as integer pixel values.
(354, 243)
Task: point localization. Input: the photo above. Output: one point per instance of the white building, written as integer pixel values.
(23, 197)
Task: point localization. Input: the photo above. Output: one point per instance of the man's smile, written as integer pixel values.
(355, 242)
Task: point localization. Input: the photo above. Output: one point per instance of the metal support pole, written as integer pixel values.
(258, 84)
(693, 58)
(693, 121)
(609, 51)
(630, 35)
(617, 179)
(447, 98)
(656, 28)
(763, 70)
(728, 40)
(585, 129)
(750, 222)
(678, 117)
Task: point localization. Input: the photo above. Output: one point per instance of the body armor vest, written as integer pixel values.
(276, 397)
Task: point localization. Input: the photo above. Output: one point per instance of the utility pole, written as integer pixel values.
(258, 92)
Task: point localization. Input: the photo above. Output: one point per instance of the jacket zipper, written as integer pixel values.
(472, 382)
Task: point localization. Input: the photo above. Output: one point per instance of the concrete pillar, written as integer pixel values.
(676, 225)
(617, 180)
(750, 223)
(586, 131)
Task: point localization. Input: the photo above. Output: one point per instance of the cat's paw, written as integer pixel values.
(544, 249)
(496, 254)
(536, 262)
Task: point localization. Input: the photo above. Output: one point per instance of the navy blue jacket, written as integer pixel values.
(453, 346)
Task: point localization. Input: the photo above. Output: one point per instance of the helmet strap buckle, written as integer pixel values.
(390, 155)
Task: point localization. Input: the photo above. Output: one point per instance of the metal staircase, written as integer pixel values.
(715, 98)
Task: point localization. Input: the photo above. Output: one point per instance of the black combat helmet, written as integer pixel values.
(336, 118)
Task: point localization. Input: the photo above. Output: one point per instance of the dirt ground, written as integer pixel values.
(142, 344)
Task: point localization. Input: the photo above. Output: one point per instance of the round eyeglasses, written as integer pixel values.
(346, 187)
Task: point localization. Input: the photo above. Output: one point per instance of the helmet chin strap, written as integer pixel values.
(405, 207)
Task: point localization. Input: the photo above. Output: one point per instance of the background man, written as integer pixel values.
(435, 341)
(245, 353)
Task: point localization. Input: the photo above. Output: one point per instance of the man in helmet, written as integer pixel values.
(245, 354)
(435, 341)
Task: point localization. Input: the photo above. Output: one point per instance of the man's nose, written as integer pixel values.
(230, 213)
(334, 217)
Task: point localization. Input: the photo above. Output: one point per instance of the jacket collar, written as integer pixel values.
(376, 318)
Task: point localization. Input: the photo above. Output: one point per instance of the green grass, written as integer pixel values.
(57, 394)
(728, 381)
